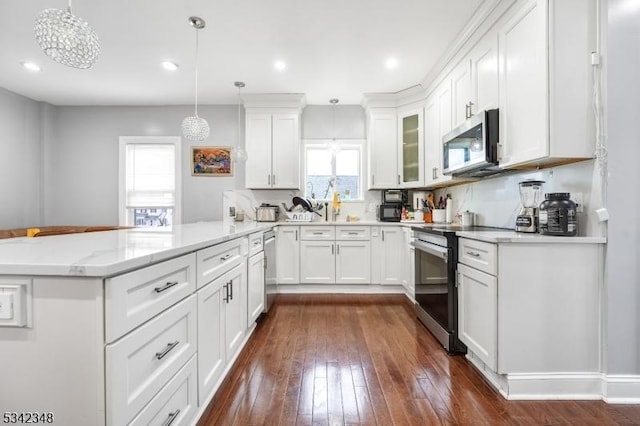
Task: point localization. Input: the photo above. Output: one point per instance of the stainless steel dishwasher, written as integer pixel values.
(270, 275)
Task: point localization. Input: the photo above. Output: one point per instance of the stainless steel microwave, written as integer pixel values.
(471, 149)
(390, 212)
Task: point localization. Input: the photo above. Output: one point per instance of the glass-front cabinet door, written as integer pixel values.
(411, 148)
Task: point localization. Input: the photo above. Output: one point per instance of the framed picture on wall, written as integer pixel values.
(211, 161)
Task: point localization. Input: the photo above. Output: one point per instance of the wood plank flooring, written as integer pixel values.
(365, 359)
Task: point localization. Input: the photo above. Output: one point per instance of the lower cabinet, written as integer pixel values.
(478, 313)
(389, 256)
(255, 287)
(335, 257)
(288, 259)
(221, 326)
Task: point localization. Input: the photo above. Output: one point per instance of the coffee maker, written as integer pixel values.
(530, 194)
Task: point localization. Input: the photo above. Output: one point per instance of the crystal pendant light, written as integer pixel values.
(196, 128)
(240, 154)
(67, 38)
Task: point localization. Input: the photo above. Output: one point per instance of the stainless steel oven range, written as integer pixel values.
(436, 257)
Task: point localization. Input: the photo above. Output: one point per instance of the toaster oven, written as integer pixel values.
(267, 213)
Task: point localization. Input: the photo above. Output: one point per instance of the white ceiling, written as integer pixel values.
(333, 48)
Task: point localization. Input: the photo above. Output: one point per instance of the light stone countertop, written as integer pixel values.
(106, 253)
(519, 237)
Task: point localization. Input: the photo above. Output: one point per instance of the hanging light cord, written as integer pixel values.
(69, 7)
(197, 30)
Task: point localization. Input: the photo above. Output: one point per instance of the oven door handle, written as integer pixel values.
(441, 252)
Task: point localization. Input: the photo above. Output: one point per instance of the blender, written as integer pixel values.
(530, 194)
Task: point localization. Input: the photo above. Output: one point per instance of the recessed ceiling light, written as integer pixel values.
(30, 66)
(169, 66)
(391, 63)
(279, 65)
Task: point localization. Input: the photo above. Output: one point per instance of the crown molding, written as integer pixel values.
(274, 100)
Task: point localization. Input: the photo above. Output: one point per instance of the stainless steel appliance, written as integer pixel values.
(270, 273)
(530, 195)
(471, 149)
(389, 212)
(436, 295)
(393, 196)
(267, 213)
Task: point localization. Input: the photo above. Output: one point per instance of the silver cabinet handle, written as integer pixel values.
(352, 233)
(331, 248)
(165, 287)
(383, 235)
(317, 233)
(171, 418)
(473, 253)
(165, 351)
(337, 248)
(231, 286)
(226, 292)
(268, 179)
(398, 179)
(256, 243)
(373, 179)
(273, 179)
(296, 235)
(225, 257)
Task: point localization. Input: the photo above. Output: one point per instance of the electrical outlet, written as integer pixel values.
(577, 198)
(232, 211)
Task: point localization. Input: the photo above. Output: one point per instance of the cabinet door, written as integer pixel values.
(211, 353)
(353, 262)
(288, 255)
(393, 267)
(286, 151)
(411, 149)
(484, 75)
(432, 141)
(478, 313)
(255, 287)
(444, 105)
(461, 92)
(318, 265)
(382, 146)
(235, 313)
(524, 87)
(258, 146)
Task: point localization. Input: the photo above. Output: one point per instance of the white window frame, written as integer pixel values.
(123, 216)
(358, 144)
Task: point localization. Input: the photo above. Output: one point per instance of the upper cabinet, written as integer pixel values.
(438, 121)
(410, 147)
(272, 132)
(382, 148)
(545, 83)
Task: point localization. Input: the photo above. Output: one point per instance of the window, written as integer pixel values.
(149, 184)
(333, 167)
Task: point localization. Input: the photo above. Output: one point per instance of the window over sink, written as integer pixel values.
(333, 166)
(149, 181)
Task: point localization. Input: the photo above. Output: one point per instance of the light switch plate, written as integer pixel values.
(16, 300)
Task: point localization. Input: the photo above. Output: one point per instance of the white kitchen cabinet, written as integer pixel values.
(389, 254)
(288, 259)
(211, 355)
(318, 265)
(335, 256)
(478, 313)
(546, 84)
(382, 141)
(438, 121)
(461, 98)
(255, 287)
(484, 75)
(409, 281)
(235, 318)
(353, 262)
(411, 147)
(273, 149)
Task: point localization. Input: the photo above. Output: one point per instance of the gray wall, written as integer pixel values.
(82, 185)
(623, 269)
(21, 160)
(328, 122)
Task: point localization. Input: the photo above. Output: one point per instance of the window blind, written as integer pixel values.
(150, 175)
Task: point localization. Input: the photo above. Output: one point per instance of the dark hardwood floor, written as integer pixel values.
(365, 359)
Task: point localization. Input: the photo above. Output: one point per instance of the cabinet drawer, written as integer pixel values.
(176, 403)
(360, 233)
(215, 261)
(142, 362)
(132, 299)
(317, 232)
(479, 255)
(255, 243)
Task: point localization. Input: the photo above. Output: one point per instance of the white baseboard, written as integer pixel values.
(621, 389)
(340, 288)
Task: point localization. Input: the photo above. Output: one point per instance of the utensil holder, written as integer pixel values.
(439, 215)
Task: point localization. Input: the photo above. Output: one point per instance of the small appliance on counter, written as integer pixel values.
(395, 196)
(389, 212)
(527, 220)
(267, 213)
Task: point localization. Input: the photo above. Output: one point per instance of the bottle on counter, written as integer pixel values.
(557, 215)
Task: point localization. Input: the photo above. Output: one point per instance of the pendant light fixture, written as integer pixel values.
(67, 38)
(240, 154)
(196, 128)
